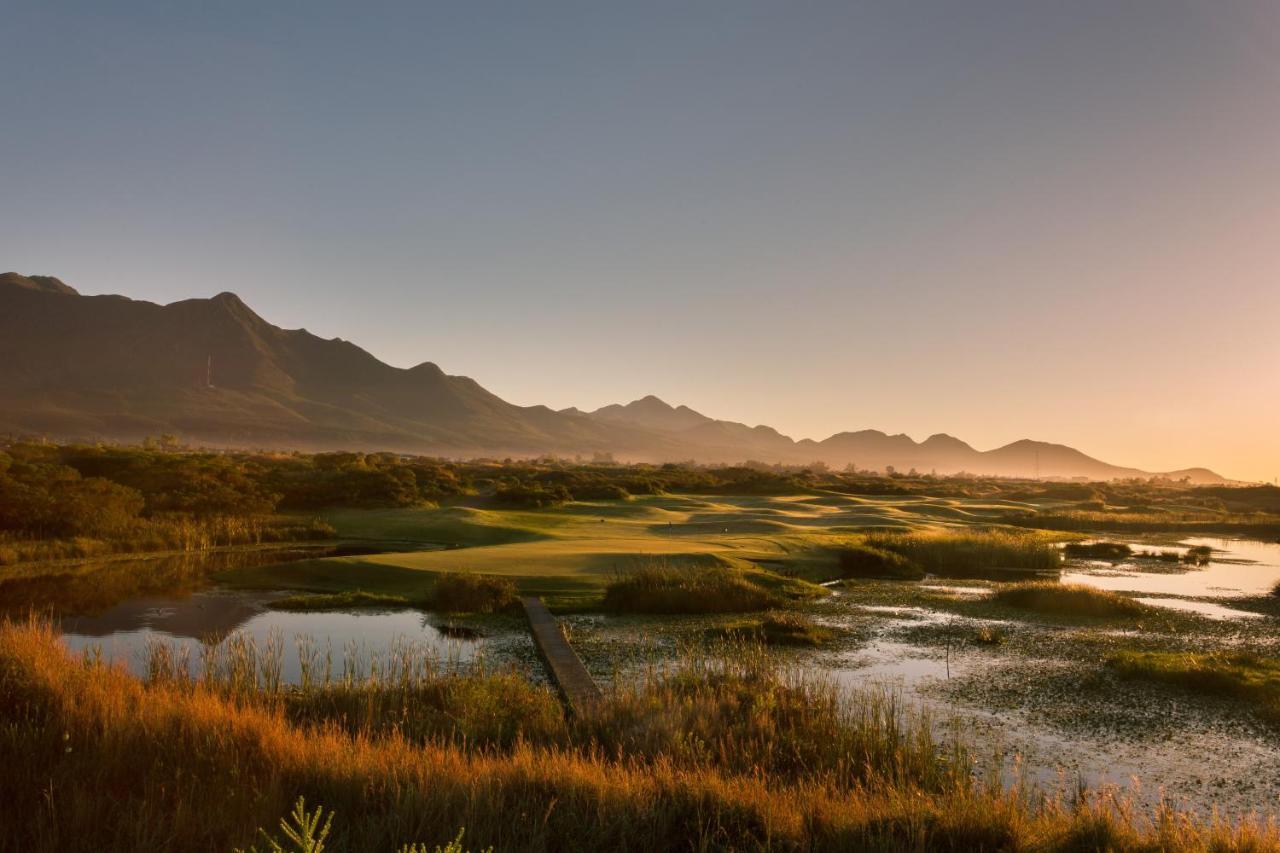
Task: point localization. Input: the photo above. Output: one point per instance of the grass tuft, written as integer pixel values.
(1068, 600)
(667, 588)
(971, 553)
(777, 629)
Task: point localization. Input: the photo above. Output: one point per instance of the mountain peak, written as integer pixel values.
(41, 283)
(652, 412)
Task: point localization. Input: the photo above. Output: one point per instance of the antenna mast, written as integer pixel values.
(208, 372)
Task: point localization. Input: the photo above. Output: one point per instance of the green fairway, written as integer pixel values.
(568, 554)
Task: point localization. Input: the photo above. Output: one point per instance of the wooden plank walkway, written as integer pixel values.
(574, 682)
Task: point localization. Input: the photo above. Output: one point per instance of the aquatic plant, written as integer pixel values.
(1248, 676)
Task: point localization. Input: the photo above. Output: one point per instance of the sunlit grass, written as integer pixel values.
(959, 553)
(719, 754)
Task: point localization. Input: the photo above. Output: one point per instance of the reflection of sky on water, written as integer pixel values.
(1238, 568)
(124, 631)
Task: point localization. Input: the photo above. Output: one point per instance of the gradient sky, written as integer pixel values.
(994, 219)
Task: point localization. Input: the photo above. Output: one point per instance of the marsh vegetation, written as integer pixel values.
(697, 602)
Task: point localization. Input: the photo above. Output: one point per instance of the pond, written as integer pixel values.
(198, 624)
(122, 606)
(1237, 568)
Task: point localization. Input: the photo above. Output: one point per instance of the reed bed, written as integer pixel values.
(962, 553)
(173, 532)
(92, 759)
(660, 587)
(1055, 598)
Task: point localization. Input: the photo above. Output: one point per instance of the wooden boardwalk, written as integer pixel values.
(574, 682)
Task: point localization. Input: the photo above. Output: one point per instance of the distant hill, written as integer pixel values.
(214, 372)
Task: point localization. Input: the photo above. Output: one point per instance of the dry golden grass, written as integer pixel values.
(92, 759)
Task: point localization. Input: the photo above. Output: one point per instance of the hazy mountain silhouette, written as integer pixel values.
(214, 372)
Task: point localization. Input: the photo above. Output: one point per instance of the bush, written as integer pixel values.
(864, 561)
(1068, 599)
(466, 592)
(664, 588)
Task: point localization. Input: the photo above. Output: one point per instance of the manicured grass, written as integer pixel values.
(356, 599)
(721, 755)
(666, 588)
(967, 553)
(569, 554)
(1250, 677)
(1052, 598)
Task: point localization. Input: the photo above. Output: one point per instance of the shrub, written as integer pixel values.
(665, 588)
(467, 592)
(1068, 599)
(864, 561)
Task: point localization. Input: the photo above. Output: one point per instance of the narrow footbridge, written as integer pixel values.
(580, 692)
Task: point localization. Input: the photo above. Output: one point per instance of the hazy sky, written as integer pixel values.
(997, 220)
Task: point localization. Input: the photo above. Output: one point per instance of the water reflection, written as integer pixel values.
(209, 618)
(1237, 568)
(98, 585)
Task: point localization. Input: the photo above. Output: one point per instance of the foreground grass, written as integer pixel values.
(717, 758)
(1243, 675)
(1054, 598)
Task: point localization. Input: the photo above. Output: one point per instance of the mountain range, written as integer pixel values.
(213, 372)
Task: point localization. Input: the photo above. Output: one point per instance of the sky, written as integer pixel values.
(998, 220)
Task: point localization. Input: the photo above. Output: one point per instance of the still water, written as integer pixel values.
(1238, 568)
(208, 618)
